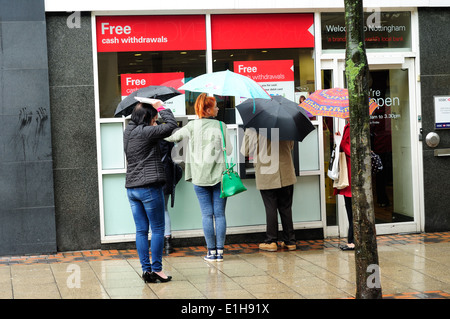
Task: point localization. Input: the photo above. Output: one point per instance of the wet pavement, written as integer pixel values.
(413, 266)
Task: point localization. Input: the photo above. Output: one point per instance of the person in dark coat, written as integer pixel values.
(144, 180)
(174, 172)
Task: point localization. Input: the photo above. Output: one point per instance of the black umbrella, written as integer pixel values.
(279, 112)
(159, 92)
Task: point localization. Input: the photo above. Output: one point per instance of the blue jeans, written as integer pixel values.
(167, 228)
(147, 206)
(213, 212)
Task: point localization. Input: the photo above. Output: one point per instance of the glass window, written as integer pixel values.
(308, 152)
(280, 46)
(302, 67)
(138, 51)
(118, 219)
(154, 65)
(111, 135)
(391, 140)
(383, 30)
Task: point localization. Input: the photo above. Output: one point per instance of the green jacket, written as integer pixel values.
(203, 146)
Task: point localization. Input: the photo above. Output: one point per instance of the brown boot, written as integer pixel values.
(268, 246)
(288, 246)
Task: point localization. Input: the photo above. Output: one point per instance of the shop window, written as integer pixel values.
(111, 137)
(276, 50)
(169, 68)
(138, 51)
(134, 52)
(383, 30)
(287, 72)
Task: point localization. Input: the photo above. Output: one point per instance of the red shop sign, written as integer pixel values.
(133, 82)
(266, 71)
(258, 31)
(150, 33)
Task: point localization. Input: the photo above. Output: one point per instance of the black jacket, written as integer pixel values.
(144, 166)
(174, 172)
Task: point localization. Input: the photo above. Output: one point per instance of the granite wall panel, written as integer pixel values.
(435, 80)
(27, 209)
(74, 135)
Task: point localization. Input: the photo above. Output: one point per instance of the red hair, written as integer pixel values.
(203, 103)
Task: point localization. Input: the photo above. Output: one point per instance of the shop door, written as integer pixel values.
(394, 137)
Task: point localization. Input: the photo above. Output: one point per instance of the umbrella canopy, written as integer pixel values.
(332, 103)
(226, 83)
(159, 92)
(278, 112)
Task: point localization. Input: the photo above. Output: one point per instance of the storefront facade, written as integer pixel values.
(289, 51)
(185, 46)
(392, 47)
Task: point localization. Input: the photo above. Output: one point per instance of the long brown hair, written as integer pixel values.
(203, 103)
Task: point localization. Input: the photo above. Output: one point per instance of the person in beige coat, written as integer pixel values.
(275, 179)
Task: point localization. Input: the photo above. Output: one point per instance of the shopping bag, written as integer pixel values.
(342, 181)
(333, 167)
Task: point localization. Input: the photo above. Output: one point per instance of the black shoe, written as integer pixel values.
(168, 248)
(156, 277)
(346, 247)
(147, 277)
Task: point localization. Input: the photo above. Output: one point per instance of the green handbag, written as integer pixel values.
(231, 182)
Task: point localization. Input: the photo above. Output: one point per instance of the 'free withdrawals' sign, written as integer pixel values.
(274, 76)
(133, 82)
(150, 33)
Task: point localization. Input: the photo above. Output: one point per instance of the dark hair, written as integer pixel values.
(143, 113)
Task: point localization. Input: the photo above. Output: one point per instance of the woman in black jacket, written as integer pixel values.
(144, 180)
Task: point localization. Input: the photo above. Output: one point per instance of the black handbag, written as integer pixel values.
(377, 165)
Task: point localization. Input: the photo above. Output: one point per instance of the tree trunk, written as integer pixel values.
(368, 284)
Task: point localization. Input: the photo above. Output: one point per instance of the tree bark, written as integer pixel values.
(368, 285)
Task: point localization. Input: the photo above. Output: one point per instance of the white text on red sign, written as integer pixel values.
(111, 29)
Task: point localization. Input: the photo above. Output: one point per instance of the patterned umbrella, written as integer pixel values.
(332, 103)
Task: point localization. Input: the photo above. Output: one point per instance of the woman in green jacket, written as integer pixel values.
(204, 165)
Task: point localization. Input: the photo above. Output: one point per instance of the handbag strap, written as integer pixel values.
(224, 146)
